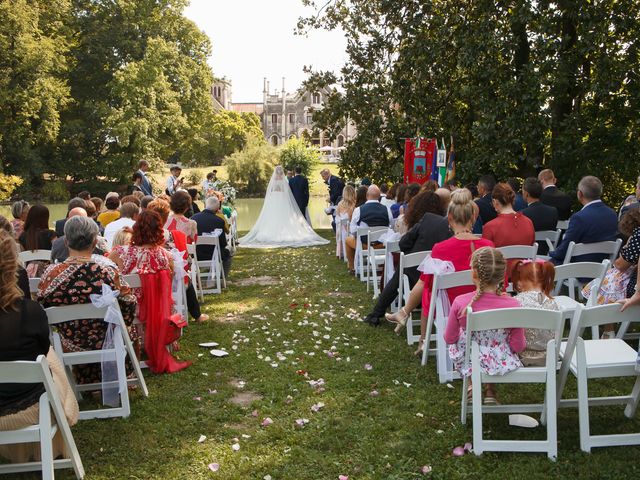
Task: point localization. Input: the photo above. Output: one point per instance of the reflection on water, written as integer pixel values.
(248, 211)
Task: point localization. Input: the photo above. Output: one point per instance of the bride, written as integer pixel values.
(280, 223)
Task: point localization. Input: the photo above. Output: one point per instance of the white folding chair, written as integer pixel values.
(611, 358)
(513, 318)
(34, 284)
(34, 255)
(568, 275)
(518, 252)
(376, 258)
(562, 224)
(362, 250)
(194, 272)
(437, 315)
(47, 427)
(408, 260)
(610, 248)
(57, 315)
(550, 237)
(390, 248)
(210, 272)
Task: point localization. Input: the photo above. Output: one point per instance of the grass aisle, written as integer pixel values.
(379, 414)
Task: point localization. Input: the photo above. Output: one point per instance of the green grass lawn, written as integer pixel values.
(278, 336)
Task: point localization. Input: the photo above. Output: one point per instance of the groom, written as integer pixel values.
(300, 189)
(336, 185)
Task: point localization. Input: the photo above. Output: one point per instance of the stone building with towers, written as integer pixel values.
(290, 115)
(284, 115)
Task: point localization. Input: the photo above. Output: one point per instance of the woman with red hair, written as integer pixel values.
(147, 257)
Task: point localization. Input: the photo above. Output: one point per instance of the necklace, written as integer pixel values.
(462, 232)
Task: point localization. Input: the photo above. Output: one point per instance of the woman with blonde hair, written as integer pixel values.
(344, 211)
(456, 250)
(24, 335)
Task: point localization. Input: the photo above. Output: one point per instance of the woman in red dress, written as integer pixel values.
(147, 257)
(509, 227)
(457, 250)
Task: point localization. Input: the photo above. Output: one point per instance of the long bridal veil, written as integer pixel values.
(280, 223)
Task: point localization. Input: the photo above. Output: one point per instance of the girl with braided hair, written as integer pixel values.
(498, 348)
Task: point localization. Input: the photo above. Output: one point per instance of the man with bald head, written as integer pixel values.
(371, 214)
(553, 196)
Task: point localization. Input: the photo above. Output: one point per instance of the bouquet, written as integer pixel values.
(228, 192)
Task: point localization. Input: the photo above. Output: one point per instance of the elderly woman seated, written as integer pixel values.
(73, 281)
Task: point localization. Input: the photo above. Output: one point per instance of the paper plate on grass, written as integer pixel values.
(209, 344)
(218, 353)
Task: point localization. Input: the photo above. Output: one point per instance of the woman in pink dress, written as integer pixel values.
(180, 204)
(458, 249)
(147, 257)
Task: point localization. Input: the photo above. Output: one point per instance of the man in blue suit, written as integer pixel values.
(300, 188)
(145, 186)
(595, 222)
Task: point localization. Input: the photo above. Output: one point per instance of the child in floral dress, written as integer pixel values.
(533, 280)
(498, 348)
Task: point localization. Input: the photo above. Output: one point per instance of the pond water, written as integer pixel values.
(248, 211)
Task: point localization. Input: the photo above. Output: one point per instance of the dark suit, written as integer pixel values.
(300, 189)
(543, 218)
(628, 208)
(519, 204)
(487, 212)
(207, 222)
(336, 185)
(146, 184)
(594, 223)
(422, 237)
(554, 197)
(60, 227)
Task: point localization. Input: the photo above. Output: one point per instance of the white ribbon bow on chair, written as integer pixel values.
(214, 258)
(179, 272)
(113, 320)
(389, 236)
(435, 266)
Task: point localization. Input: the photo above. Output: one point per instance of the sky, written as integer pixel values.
(253, 39)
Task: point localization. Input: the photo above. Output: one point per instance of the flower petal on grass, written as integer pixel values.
(425, 469)
(266, 422)
(374, 393)
(235, 447)
(343, 477)
(317, 407)
(214, 467)
(368, 366)
(458, 452)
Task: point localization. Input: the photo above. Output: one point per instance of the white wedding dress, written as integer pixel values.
(280, 223)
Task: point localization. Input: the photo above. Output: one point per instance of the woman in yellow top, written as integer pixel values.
(111, 213)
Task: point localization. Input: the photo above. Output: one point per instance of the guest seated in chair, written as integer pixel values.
(595, 222)
(427, 227)
(73, 281)
(371, 214)
(208, 221)
(24, 335)
(147, 257)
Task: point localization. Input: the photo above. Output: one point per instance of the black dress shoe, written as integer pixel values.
(371, 320)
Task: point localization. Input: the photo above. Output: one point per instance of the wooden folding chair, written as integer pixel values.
(47, 427)
(513, 318)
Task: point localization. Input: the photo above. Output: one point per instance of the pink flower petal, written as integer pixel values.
(343, 477)
(368, 366)
(266, 422)
(374, 393)
(458, 452)
(197, 399)
(468, 447)
(425, 469)
(214, 467)
(254, 413)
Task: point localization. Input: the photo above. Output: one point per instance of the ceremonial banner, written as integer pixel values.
(419, 157)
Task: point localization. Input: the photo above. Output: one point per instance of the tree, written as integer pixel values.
(250, 169)
(518, 85)
(297, 153)
(33, 86)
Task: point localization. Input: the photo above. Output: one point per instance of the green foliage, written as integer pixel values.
(8, 184)
(88, 88)
(517, 86)
(55, 191)
(250, 169)
(298, 153)
(194, 177)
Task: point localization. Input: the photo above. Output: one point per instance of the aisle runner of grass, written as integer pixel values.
(342, 398)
